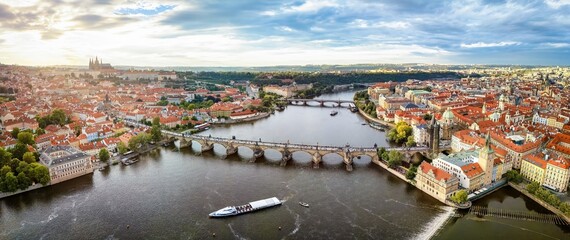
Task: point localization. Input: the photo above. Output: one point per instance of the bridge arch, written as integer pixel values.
(332, 158)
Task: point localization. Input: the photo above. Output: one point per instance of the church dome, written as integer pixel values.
(447, 114)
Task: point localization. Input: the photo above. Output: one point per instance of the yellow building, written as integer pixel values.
(436, 182)
(550, 170)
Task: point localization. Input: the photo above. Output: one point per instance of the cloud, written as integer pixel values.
(557, 3)
(360, 23)
(487, 45)
(311, 6)
(285, 29)
(558, 45)
(144, 8)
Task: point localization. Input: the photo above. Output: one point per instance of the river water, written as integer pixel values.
(169, 193)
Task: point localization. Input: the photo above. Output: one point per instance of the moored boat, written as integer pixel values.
(304, 204)
(333, 113)
(246, 208)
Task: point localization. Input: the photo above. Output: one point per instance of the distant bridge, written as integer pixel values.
(321, 102)
(317, 152)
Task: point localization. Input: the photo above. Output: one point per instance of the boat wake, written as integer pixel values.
(236, 235)
(435, 224)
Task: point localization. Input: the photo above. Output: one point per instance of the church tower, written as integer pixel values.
(484, 109)
(433, 131)
(486, 160)
(502, 100)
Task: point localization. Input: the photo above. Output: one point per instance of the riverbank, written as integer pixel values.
(249, 119)
(376, 120)
(31, 188)
(551, 208)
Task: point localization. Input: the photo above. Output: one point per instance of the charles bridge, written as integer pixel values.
(231, 145)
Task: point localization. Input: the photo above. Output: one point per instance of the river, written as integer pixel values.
(169, 193)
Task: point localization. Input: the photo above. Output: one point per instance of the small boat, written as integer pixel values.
(246, 208)
(304, 204)
(334, 113)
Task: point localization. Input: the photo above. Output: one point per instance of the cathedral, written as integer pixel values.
(98, 65)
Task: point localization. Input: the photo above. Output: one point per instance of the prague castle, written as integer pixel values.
(98, 65)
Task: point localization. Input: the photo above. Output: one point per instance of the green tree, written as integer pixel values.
(5, 157)
(104, 155)
(11, 182)
(156, 121)
(40, 131)
(565, 208)
(533, 187)
(411, 173)
(156, 133)
(15, 132)
(23, 181)
(41, 173)
(136, 142)
(394, 159)
(459, 197)
(122, 148)
(29, 157)
(410, 142)
(514, 176)
(4, 170)
(26, 138)
(18, 150)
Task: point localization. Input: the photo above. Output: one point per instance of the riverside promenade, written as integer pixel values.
(551, 208)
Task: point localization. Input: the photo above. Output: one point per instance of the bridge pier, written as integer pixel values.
(206, 146)
(322, 103)
(257, 153)
(230, 149)
(317, 159)
(305, 103)
(286, 157)
(183, 143)
(347, 158)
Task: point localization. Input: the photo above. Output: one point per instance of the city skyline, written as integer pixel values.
(249, 33)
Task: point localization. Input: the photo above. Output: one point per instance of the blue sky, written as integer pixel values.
(281, 32)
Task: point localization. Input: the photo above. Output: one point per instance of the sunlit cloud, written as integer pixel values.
(486, 45)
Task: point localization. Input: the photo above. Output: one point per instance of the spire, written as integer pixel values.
(488, 140)
(432, 121)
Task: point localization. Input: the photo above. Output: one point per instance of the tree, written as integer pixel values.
(11, 182)
(18, 150)
(29, 157)
(460, 196)
(41, 173)
(394, 159)
(381, 152)
(122, 148)
(40, 131)
(427, 116)
(411, 142)
(533, 187)
(156, 121)
(139, 140)
(156, 133)
(104, 155)
(411, 173)
(513, 176)
(565, 208)
(5, 157)
(4, 170)
(400, 132)
(15, 132)
(23, 181)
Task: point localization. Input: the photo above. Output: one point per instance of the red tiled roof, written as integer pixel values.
(438, 173)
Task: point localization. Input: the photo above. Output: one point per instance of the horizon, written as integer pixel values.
(247, 33)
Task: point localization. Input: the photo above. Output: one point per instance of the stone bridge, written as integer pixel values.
(321, 102)
(231, 145)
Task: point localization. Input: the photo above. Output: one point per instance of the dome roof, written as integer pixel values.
(447, 114)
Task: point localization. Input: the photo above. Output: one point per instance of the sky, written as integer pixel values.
(284, 32)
